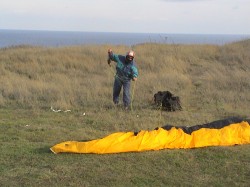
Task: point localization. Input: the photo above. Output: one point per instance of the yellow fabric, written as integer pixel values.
(238, 133)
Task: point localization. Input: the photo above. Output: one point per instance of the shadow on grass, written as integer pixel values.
(43, 150)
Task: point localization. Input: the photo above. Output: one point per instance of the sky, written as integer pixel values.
(129, 16)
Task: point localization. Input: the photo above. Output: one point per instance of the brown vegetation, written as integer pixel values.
(206, 77)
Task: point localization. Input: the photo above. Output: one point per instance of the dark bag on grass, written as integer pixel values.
(167, 101)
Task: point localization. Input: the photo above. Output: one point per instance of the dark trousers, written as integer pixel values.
(118, 84)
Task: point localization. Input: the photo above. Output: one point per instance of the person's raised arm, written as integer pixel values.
(110, 55)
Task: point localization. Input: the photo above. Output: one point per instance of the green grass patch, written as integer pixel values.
(26, 160)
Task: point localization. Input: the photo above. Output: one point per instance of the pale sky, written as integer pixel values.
(133, 16)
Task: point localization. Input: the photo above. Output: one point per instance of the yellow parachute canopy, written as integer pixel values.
(169, 137)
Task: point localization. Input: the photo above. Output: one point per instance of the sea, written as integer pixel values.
(10, 38)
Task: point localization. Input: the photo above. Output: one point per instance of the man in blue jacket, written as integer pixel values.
(126, 71)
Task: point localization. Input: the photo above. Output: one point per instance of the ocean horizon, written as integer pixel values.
(9, 38)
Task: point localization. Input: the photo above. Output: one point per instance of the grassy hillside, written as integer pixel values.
(210, 79)
(212, 82)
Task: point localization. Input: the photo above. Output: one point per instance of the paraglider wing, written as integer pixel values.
(227, 132)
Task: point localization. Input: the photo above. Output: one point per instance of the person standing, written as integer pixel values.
(126, 71)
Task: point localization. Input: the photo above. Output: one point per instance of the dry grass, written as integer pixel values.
(204, 76)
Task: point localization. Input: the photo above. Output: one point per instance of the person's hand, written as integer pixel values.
(109, 54)
(134, 79)
(109, 61)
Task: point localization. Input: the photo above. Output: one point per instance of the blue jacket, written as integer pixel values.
(124, 70)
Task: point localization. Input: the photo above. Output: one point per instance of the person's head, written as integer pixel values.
(130, 56)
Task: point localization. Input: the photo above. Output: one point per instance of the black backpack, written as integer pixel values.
(167, 101)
